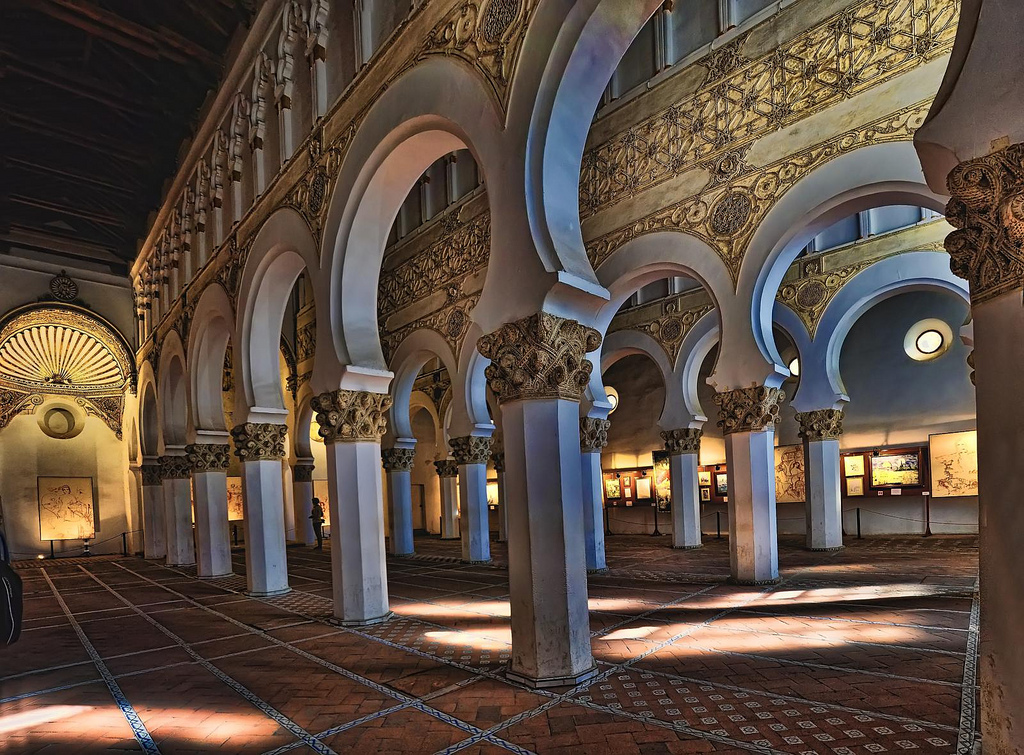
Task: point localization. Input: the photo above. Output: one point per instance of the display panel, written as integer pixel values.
(790, 484)
(954, 464)
(855, 486)
(643, 488)
(705, 494)
(721, 484)
(894, 470)
(66, 509)
(612, 489)
(236, 512)
(704, 478)
(492, 494)
(662, 477)
(853, 466)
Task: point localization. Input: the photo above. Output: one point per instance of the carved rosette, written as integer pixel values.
(820, 424)
(348, 416)
(749, 409)
(208, 457)
(471, 449)
(175, 468)
(446, 468)
(685, 440)
(498, 460)
(593, 434)
(540, 356)
(259, 441)
(398, 459)
(987, 208)
(151, 474)
(302, 472)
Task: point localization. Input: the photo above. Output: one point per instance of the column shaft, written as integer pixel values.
(213, 542)
(824, 496)
(593, 510)
(753, 530)
(686, 531)
(475, 529)
(153, 526)
(400, 512)
(502, 508)
(302, 495)
(266, 558)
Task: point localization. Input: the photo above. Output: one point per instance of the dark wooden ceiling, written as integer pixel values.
(96, 99)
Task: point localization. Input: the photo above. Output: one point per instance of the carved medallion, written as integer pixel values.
(63, 287)
(731, 213)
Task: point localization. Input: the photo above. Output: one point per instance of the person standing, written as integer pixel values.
(318, 523)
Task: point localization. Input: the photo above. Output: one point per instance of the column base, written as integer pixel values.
(361, 622)
(456, 537)
(482, 561)
(183, 563)
(219, 576)
(551, 681)
(753, 582)
(269, 594)
(402, 555)
(598, 571)
(687, 547)
(826, 550)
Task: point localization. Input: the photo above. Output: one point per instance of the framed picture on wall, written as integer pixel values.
(612, 489)
(954, 464)
(896, 469)
(662, 477)
(705, 494)
(66, 508)
(704, 479)
(854, 486)
(643, 488)
(789, 474)
(235, 510)
(721, 484)
(853, 466)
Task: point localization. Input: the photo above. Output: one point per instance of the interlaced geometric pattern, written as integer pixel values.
(856, 49)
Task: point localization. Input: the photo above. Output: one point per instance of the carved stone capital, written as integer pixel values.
(820, 424)
(685, 440)
(987, 208)
(398, 459)
(498, 460)
(540, 356)
(302, 472)
(593, 434)
(749, 409)
(208, 457)
(471, 449)
(348, 416)
(259, 441)
(175, 468)
(446, 468)
(151, 473)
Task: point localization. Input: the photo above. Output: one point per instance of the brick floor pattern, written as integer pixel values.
(871, 649)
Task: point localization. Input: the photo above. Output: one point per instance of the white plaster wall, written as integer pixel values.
(27, 453)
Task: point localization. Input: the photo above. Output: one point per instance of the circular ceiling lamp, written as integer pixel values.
(928, 339)
(613, 398)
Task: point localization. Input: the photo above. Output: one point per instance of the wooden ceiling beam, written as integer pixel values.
(77, 212)
(161, 40)
(103, 92)
(45, 128)
(40, 169)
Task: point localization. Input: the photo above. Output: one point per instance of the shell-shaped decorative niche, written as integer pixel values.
(62, 350)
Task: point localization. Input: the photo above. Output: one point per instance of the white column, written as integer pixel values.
(448, 475)
(593, 437)
(820, 430)
(398, 464)
(547, 557)
(302, 494)
(471, 454)
(175, 472)
(498, 460)
(288, 488)
(209, 463)
(153, 528)
(260, 448)
(352, 424)
(748, 420)
(683, 446)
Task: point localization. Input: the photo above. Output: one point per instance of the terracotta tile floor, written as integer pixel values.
(869, 650)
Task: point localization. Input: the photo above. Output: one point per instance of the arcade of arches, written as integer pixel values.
(656, 366)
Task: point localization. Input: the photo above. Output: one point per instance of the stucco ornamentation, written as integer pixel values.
(175, 468)
(13, 403)
(987, 209)
(684, 440)
(348, 416)
(109, 409)
(446, 468)
(259, 441)
(208, 457)
(820, 424)
(398, 459)
(749, 409)
(669, 327)
(498, 460)
(302, 471)
(540, 356)
(593, 434)
(150, 474)
(855, 49)
(471, 449)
